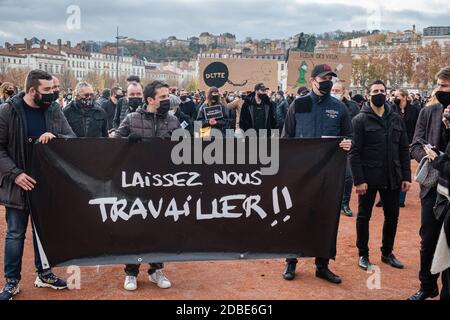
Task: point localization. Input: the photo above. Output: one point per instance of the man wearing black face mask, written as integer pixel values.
(24, 118)
(258, 112)
(56, 90)
(187, 106)
(432, 128)
(150, 121)
(87, 119)
(380, 162)
(314, 116)
(129, 104)
(111, 105)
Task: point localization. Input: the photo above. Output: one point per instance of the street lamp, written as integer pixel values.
(118, 38)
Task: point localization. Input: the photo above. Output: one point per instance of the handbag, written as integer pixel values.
(426, 175)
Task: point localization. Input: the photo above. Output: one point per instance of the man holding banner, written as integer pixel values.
(23, 119)
(314, 116)
(152, 120)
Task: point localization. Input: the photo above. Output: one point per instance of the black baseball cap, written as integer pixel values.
(322, 70)
(302, 90)
(261, 86)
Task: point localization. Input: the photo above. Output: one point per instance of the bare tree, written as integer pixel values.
(401, 68)
(67, 80)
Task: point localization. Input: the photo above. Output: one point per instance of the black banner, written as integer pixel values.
(111, 201)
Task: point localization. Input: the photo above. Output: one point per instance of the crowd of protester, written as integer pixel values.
(382, 130)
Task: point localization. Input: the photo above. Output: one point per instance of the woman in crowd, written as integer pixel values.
(221, 122)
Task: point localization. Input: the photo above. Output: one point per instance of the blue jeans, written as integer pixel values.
(17, 221)
(402, 197)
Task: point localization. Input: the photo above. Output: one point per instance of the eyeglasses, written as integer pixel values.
(88, 96)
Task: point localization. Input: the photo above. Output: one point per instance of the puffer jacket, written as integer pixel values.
(147, 125)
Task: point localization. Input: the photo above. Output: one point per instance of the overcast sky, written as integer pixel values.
(156, 19)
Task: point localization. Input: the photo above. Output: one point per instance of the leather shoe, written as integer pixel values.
(364, 263)
(392, 261)
(329, 276)
(289, 272)
(422, 295)
(347, 211)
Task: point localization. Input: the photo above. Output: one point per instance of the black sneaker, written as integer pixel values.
(10, 289)
(49, 280)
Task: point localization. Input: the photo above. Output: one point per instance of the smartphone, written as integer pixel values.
(429, 146)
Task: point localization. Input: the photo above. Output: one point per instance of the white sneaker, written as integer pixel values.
(130, 283)
(160, 279)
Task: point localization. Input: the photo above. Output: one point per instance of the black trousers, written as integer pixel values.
(429, 233)
(391, 206)
(348, 186)
(445, 293)
(133, 269)
(321, 263)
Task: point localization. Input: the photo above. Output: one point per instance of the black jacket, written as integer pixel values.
(380, 153)
(122, 110)
(246, 120)
(147, 125)
(429, 129)
(281, 112)
(14, 146)
(222, 124)
(352, 108)
(110, 109)
(89, 122)
(184, 120)
(442, 164)
(189, 109)
(410, 118)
